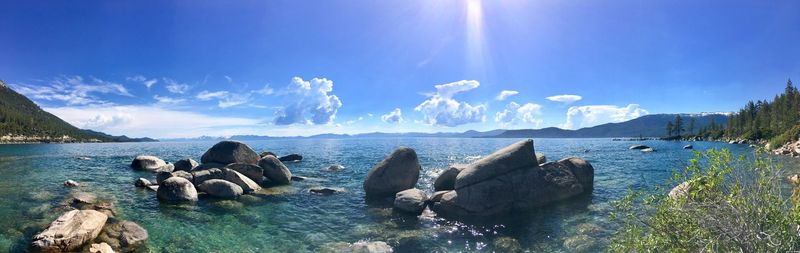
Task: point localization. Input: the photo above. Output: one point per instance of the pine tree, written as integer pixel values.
(670, 129)
(691, 126)
(678, 127)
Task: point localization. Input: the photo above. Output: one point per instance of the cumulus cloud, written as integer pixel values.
(149, 121)
(175, 87)
(592, 115)
(566, 98)
(441, 109)
(395, 116)
(515, 113)
(505, 94)
(313, 98)
(74, 90)
(143, 80)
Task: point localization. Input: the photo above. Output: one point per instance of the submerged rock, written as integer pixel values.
(149, 163)
(126, 236)
(71, 183)
(69, 231)
(227, 152)
(447, 180)
(362, 247)
(411, 201)
(580, 243)
(325, 190)
(275, 170)
(335, 167)
(507, 245)
(221, 189)
(291, 158)
(399, 171)
(511, 179)
(176, 190)
(186, 164)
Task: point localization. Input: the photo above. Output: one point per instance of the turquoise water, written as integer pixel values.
(289, 219)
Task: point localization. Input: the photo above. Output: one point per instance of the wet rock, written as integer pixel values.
(201, 176)
(648, 150)
(638, 147)
(266, 153)
(176, 190)
(152, 187)
(325, 190)
(511, 179)
(126, 236)
(688, 147)
(70, 183)
(141, 182)
(541, 158)
(227, 152)
(291, 158)
(254, 172)
(69, 231)
(399, 171)
(411, 201)
(335, 167)
(149, 163)
(580, 243)
(581, 169)
(186, 164)
(221, 189)
(447, 179)
(100, 248)
(242, 181)
(275, 170)
(162, 175)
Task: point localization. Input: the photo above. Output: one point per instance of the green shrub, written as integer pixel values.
(786, 137)
(732, 205)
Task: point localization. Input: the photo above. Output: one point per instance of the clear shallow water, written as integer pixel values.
(289, 219)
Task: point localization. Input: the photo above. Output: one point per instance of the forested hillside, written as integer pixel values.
(775, 121)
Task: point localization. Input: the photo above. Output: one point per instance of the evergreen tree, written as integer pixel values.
(691, 126)
(678, 127)
(670, 129)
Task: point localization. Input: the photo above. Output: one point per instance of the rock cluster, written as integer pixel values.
(789, 149)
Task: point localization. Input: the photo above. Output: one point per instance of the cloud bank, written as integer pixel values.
(73, 90)
(312, 98)
(592, 115)
(442, 110)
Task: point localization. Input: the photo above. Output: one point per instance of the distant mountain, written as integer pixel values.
(653, 125)
(21, 120)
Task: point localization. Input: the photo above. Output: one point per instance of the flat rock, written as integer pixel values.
(70, 231)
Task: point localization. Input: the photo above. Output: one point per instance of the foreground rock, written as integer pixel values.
(221, 189)
(399, 171)
(227, 152)
(126, 236)
(447, 180)
(185, 164)
(176, 190)
(291, 158)
(101, 248)
(69, 231)
(149, 163)
(242, 181)
(411, 201)
(275, 170)
(512, 180)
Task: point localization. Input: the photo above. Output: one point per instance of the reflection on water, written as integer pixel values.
(289, 219)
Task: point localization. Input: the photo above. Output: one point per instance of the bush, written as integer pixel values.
(732, 205)
(786, 137)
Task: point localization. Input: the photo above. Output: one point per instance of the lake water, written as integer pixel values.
(289, 219)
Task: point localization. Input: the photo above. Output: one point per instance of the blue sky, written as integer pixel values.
(191, 68)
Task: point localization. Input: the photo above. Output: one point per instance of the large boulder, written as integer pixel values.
(399, 171)
(221, 189)
(226, 152)
(582, 170)
(162, 175)
(275, 170)
(69, 232)
(125, 236)
(176, 190)
(201, 176)
(149, 163)
(291, 158)
(511, 179)
(447, 179)
(206, 166)
(184, 174)
(411, 201)
(247, 184)
(185, 164)
(254, 172)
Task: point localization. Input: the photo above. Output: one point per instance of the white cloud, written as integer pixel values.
(395, 116)
(151, 121)
(207, 95)
(311, 97)
(141, 79)
(567, 99)
(175, 87)
(515, 113)
(168, 100)
(505, 94)
(266, 90)
(441, 109)
(592, 115)
(233, 99)
(73, 90)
